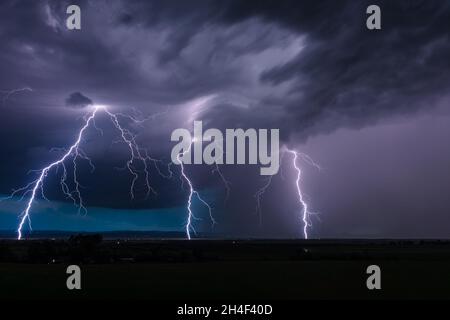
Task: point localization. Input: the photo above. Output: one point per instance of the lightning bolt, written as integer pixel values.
(39, 183)
(192, 192)
(258, 196)
(137, 154)
(305, 211)
(8, 93)
(226, 183)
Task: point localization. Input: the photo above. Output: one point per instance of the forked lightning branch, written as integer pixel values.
(214, 153)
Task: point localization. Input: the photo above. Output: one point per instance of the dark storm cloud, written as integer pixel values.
(78, 100)
(349, 76)
(306, 67)
(344, 75)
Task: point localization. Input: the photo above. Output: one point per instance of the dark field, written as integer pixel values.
(224, 270)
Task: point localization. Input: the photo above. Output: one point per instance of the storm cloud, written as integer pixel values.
(78, 100)
(311, 69)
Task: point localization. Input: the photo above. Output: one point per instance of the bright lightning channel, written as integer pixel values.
(192, 192)
(305, 212)
(137, 154)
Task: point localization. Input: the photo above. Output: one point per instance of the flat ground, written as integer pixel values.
(229, 270)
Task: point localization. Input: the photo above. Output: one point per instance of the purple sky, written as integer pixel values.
(370, 106)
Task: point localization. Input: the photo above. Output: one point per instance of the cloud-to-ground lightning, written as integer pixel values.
(226, 183)
(39, 183)
(138, 167)
(36, 187)
(305, 211)
(192, 192)
(259, 194)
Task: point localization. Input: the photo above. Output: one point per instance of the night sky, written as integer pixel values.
(372, 107)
